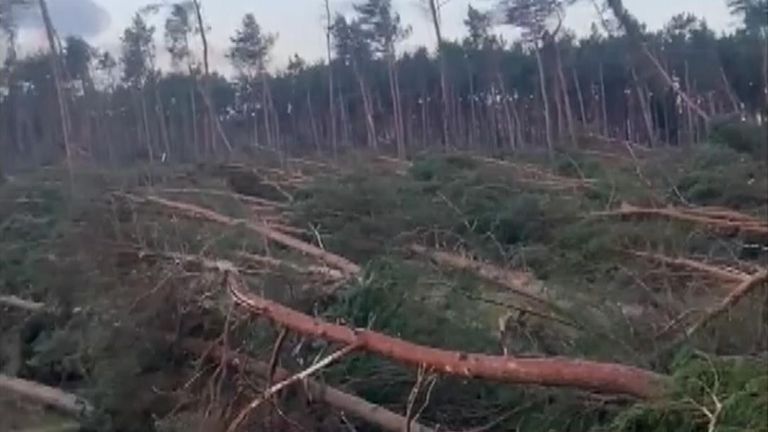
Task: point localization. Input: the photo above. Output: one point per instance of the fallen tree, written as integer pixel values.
(552, 372)
(519, 282)
(726, 274)
(196, 212)
(59, 400)
(743, 224)
(344, 402)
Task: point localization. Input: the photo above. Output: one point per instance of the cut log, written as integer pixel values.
(196, 212)
(59, 400)
(552, 372)
(344, 402)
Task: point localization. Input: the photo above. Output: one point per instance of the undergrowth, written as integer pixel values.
(73, 247)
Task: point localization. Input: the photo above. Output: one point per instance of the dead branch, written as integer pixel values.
(730, 275)
(551, 372)
(739, 293)
(19, 303)
(522, 283)
(61, 401)
(288, 382)
(344, 402)
(744, 224)
(196, 212)
(256, 201)
(324, 272)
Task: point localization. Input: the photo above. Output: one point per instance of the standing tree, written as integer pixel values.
(249, 54)
(58, 81)
(754, 15)
(534, 18)
(434, 13)
(383, 29)
(354, 50)
(138, 56)
(328, 46)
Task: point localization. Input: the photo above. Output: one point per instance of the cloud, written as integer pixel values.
(70, 17)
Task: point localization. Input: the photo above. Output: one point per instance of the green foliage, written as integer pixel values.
(710, 395)
(717, 176)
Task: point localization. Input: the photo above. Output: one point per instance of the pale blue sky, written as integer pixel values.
(299, 26)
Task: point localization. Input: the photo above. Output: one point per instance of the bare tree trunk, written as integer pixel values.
(395, 95)
(57, 83)
(508, 119)
(645, 110)
(313, 124)
(145, 122)
(213, 119)
(663, 81)
(566, 96)
(580, 96)
(603, 103)
(434, 9)
(370, 126)
(545, 101)
(331, 105)
(161, 122)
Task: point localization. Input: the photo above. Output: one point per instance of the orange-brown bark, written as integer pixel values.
(555, 372)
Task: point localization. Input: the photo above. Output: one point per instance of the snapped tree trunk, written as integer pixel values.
(662, 81)
(331, 105)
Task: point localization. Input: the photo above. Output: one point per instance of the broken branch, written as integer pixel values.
(287, 382)
(61, 401)
(344, 402)
(196, 212)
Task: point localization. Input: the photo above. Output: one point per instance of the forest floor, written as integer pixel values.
(113, 288)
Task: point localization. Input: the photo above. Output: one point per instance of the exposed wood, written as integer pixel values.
(726, 274)
(344, 402)
(744, 288)
(522, 283)
(19, 303)
(551, 372)
(196, 212)
(240, 197)
(275, 389)
(324, 272)
(712, 220)
(59, 400)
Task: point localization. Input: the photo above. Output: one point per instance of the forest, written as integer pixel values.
(549, 231)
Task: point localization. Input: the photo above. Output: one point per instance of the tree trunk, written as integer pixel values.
(545, 102)
(603, 103)
(580, 96)
(57, 82)
(331, 105)
(662, 80)
(645, 110)
(370, 126)
(434, 9)
(566, 96)
(554, 372)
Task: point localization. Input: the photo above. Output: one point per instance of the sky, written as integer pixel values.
(299, 26)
